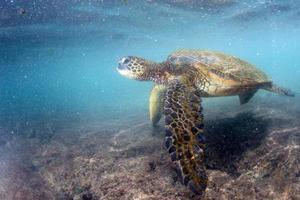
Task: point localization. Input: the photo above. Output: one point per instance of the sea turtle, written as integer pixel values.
(180, 82)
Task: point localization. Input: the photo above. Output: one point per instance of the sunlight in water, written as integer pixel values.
(73, 127)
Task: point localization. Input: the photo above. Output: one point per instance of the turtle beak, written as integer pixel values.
(123, 64)
(123, 67)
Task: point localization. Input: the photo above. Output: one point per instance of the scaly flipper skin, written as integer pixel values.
(156, 103)
(184, 134)
(279, 90)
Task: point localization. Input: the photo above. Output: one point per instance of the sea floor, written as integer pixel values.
(253, 152)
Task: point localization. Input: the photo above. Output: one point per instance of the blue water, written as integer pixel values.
(58, 58)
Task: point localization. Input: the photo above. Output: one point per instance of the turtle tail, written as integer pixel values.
(279, 90)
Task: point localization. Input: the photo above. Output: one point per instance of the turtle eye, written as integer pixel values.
(125, 61)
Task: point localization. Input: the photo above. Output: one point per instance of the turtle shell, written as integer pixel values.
(222, 65)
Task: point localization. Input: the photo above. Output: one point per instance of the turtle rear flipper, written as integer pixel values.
(279, 90)
(184, 134)
(245, 97)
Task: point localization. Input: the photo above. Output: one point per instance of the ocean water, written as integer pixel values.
(58, 76)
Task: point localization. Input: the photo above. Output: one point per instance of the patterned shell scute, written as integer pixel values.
(227, 66)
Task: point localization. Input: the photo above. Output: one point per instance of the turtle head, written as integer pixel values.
(135, 67)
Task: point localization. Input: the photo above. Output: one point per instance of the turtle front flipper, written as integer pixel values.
(184, 134)
(156, 103)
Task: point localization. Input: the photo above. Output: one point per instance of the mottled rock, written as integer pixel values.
(253, 152)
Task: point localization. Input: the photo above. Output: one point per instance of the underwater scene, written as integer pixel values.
(149, 99)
